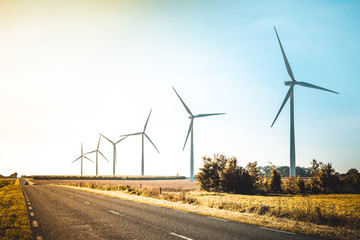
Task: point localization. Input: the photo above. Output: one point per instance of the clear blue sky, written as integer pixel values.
(72, 69)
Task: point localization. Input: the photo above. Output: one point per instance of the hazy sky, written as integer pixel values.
(70, 69)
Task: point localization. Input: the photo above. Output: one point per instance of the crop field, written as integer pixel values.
(171, 185)
(14, 221)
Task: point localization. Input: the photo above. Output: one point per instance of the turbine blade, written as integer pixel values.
(187, 136)
(98, 143)
(285, 58)
(91, 152)
(283, 104)
(120, 140)
(132, 134)
(151, 142)
(76, 159)
(147, 120)
(81, 149)
(103, 156)
(88, 159)
(206, 115)
(305, 84)
(106, 138)
(187, 109)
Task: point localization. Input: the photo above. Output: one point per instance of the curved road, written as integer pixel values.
(62, 213)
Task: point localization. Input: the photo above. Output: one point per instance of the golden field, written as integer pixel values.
(14, 221)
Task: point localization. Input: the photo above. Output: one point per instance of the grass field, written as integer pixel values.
(14, 221)
(332, 215)
(336, 210)
(179, 184)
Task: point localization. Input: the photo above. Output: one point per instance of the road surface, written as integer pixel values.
(62, 213)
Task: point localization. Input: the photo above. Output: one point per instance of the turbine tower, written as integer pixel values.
(114, 150)
(290, 94)
(81, 157)
(191, 129)
(142, 139)
(97, 151)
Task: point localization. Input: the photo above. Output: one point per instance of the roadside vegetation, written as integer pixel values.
(14, 221)
(77, 177)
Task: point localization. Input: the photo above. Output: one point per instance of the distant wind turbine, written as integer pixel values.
(97, 151)
(142, 135)
(114, 150)
(290, 94)
(81, 157)
(191, 129)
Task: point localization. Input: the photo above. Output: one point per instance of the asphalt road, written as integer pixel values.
(61, 213)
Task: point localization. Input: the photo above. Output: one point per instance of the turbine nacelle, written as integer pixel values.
(288, 83)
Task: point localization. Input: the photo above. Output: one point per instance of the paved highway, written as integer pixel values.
(61, 213)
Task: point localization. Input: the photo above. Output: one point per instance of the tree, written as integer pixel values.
(223, 174)
(209, 175)
(275, 180)
(352, 181)
(235, 179)
(14, 175)
(324, 178)
(329, 181)
(254, 173)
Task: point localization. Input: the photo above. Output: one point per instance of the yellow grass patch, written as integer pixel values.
(14, 221)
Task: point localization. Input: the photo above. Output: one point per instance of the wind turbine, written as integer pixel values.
(290, 94)
(142, 137)
(114, 150)
(97, 151)
(191, 129)
(81, 157)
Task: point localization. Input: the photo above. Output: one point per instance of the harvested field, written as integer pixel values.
(182, 184)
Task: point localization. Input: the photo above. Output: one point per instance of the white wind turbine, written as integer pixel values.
(142, 139)
(114, 150)
(290, 94)
(97, 151)
(81, 157)
(191, 129)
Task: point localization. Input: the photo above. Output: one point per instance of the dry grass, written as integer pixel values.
(149, 184)
(14, 221)
(337, 210)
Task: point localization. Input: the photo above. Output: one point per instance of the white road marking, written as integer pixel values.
(180, 236)
(32, 214)
(39, 238)
(114, 212)
(220, 219)
(180, 211)
(86, 202)
(276, 230)
(30, 208)
(35, 224)
(28, 203)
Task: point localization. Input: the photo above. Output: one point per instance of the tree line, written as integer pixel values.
(223, 174)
